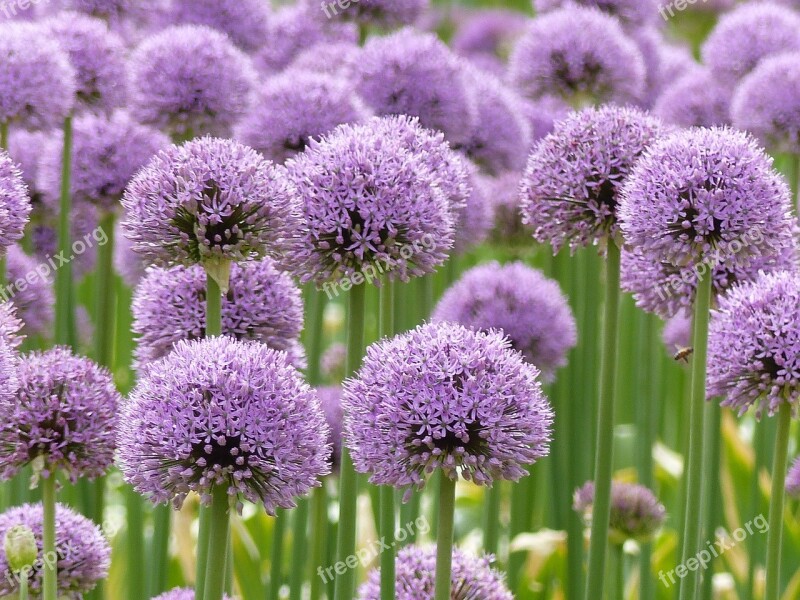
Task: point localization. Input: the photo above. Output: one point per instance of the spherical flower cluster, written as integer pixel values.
(190, 80)
(675, 61)
(747, 35)
(371, 200)
(474, 218)
(222, 412)
(677, 332)
(580, 54)
(793, 480)
(34, 300)
(696, 99)
(338, 59)
(244, 21)
(470, 577)
(37, 81)
(628, 11)
(774, 117)
(706, 190)
(107, 151)
(330, 398)
(98, 57)
(571, 188)
(181, 594)
(636, 513)
(262, 304)
(209, 199)
(84, 555)
(754, 345)
(25, 148)
(443, 396)
(489, 34)
(414, 73)
(64, 413)
(295, 106)
(384, 13)
(15, 206)
(521, 302)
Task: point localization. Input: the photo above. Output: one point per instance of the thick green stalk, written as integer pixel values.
(348, 488)
(444, 537)
(711, 457)
(604, 456)
(618, 575)
(4, 135)
(104, 290)
(693, 518)
(299, 548)
(64, 302)
(218, 535)
(753, 546)
(491, 518)
(23, 585)
(387, 501)
(49, 554)
(276, 556)
(135, 555)
(159, 551)
(776, 503)
(319, 516)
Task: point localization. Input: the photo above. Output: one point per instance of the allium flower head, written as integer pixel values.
(373, 198)
(64, 414)
(190, 80)
(222, 412)
(15, 206)
(414, 73)
(330, 398)
(209, 199)
(107, 151)
(84, 555)
(338, 59)
(244, 21)
(793, 480)
(37, 81)
(706, 190)
(295, 106)
(629, 11)
(543, 113)
(754, 345)
(443, 396)
(580, 54)
(9, 361)
(470, 578)
(774, 117)
(489, 33)
(521, 302)
(10, 326)
(747, 35)
(98, 57)
(34, 300)
(696, 99)
(571, 188)
(262, 304)
(25, 148)
(383, 13)
(636, 513)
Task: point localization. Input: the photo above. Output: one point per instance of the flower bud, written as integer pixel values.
(20, 547)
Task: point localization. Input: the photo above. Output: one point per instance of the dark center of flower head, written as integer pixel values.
(584, 81)
(225, 453)
(296, 143)
(687, 223)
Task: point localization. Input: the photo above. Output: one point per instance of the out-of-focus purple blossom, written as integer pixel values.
(543, 113)
(246, 22)
(114, 11)
(83, 224)
(754, 345)
(747, 35)
(338, 59)
(793, 480)
(222, 412)
(129, 264)
(295, 106)
(330, 398)
(580, 54)
(64, 413)
(521, 302)
(503, 195)
(414, 73)
(489, 34)
(677, 332)
(474, 219)
(31, 294)
(636, 12)
(378, 13)
(697, 99)
(9, 359)
(84, 555)
(10, 326)
(484, 416)
(15, 205)
(190, 80)
(675, 61)
(25, 148)
(333, 362)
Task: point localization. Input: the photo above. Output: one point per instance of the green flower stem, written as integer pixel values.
(276, 555)
(4, 135)
(23, 585)
(135, 556)
(299, 549)
(617, 583)
(648, 409)
(319, 516)
(348, 486)
(104, 290)
(64, 301)
(604, 456)
(386, 499)
(776, 503)
(49, 580)
(444, 538)
(693, 518)
(753, 546)
(711, 457)
(218, 535)
(491, 518)
(159, 551)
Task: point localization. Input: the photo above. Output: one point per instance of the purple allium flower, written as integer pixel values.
(37, 81)
(84, 555)
(677, 332)
(10, 326)
(543, 113)
(330, 398)
(98, 57)
(262, 304)
(244, 21)
(520, 301)
(190, 80)
(338, 59)
(629, 11)
(747, 35)
(571, 186)
(25, 148)
(580, 54)
(793, 480)
(15, 206)
(443, 396)
(636, 513)
(754, 342)
(696, 99)
(503, 194)
(380, 13)
(9, 360)
(208, 200)
(773, 117)
(107, 151)
(295, 28)
(333, 362)
(31, 294)
(373, 199)
(181, 594)
(489, 34)
(414, 73)
(64, 413)
(222, 412)
(470, 578)
(706, 193)
(112, 10)
(675, 61)
(474, 219)
(295, 106)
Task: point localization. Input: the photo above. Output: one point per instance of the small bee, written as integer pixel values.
(683, 354)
